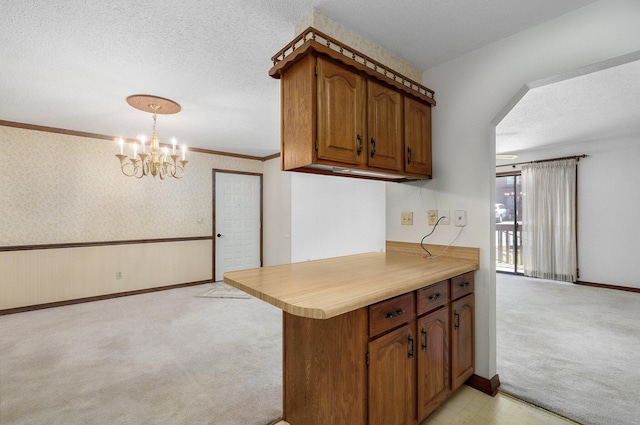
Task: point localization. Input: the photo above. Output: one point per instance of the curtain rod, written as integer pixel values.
(543, 160)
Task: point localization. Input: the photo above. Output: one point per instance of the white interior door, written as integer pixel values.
(237, 231)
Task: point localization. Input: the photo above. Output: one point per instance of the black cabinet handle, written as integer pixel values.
(410, 341)
(434, 296)
(398, 312)
(409, 156)
(464, 285)
(456, 320)
(424, 339)
(373, 147)
(359, 138)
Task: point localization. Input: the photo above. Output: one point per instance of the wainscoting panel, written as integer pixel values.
(33, 277)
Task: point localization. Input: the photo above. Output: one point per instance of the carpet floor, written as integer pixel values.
(571, 349)
(169, 357)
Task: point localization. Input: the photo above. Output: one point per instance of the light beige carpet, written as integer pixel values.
(571, 349)
(169, 357)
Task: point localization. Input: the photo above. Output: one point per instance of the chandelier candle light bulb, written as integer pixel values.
(156, 163)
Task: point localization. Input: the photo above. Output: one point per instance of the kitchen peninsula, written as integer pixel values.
(375, 338)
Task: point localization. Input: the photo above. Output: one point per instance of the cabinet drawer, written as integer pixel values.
(432, 297)
(388, 314)
(461, 285)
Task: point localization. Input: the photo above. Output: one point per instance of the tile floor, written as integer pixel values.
(471, 407)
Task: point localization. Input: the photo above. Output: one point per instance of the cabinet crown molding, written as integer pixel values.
(312, 40)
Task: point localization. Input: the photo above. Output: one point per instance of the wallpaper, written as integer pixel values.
(57, 188)
(331, 28)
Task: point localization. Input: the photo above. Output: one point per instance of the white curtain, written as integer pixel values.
(549, 220)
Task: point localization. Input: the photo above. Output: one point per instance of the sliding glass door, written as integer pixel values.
(508, 213)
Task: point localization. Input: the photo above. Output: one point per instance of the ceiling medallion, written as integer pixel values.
(156, 162)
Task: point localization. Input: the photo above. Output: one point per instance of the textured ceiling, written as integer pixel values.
(599, 102)
(71, 63)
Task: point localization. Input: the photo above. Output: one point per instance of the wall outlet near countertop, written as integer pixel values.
(432, 217)
(446, 217)
(460, 218)
(406, 218)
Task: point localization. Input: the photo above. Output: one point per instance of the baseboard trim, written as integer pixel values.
(606, 286)
(99, 297)
(487, 386)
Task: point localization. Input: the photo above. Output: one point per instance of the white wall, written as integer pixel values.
(308, 216)
(608, 206)
(334, 216)
(276, 223)
(471, 92)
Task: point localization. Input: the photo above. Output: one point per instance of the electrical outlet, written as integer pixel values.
(406, 218)
(447, 217)
(461, 218)
(118, 275)
(432, 217)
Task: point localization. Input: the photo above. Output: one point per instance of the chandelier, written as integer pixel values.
(156, 162)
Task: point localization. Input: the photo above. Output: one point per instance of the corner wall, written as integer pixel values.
(471, 92)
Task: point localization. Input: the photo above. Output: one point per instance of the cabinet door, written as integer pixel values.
(341, 114)
(462, 340)
(433, 361)
(392, 378)
(417, 137)
(384, 112)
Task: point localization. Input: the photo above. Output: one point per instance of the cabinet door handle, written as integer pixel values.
(409, 156)
(434, 296)
(410, 341)
(424, 339)
(456, 320)
(398, 312)
(359, 138)
(373, 147)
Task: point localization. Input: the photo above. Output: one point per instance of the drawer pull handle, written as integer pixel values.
(410, 353)
(464, 285)
(434, 296)
(424, 339)
(396, 313)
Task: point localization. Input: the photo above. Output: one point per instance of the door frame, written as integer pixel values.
(213, 215)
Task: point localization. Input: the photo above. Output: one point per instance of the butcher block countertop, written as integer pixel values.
(321, 289)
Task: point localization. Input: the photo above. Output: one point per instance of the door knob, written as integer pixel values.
(219, 235)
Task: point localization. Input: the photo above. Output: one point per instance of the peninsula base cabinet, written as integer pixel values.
(391, 363)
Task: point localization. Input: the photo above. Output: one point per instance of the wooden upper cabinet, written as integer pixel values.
(417, 136)
(298, 114)
(385, 127)
(341, 114)
(344, 113)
